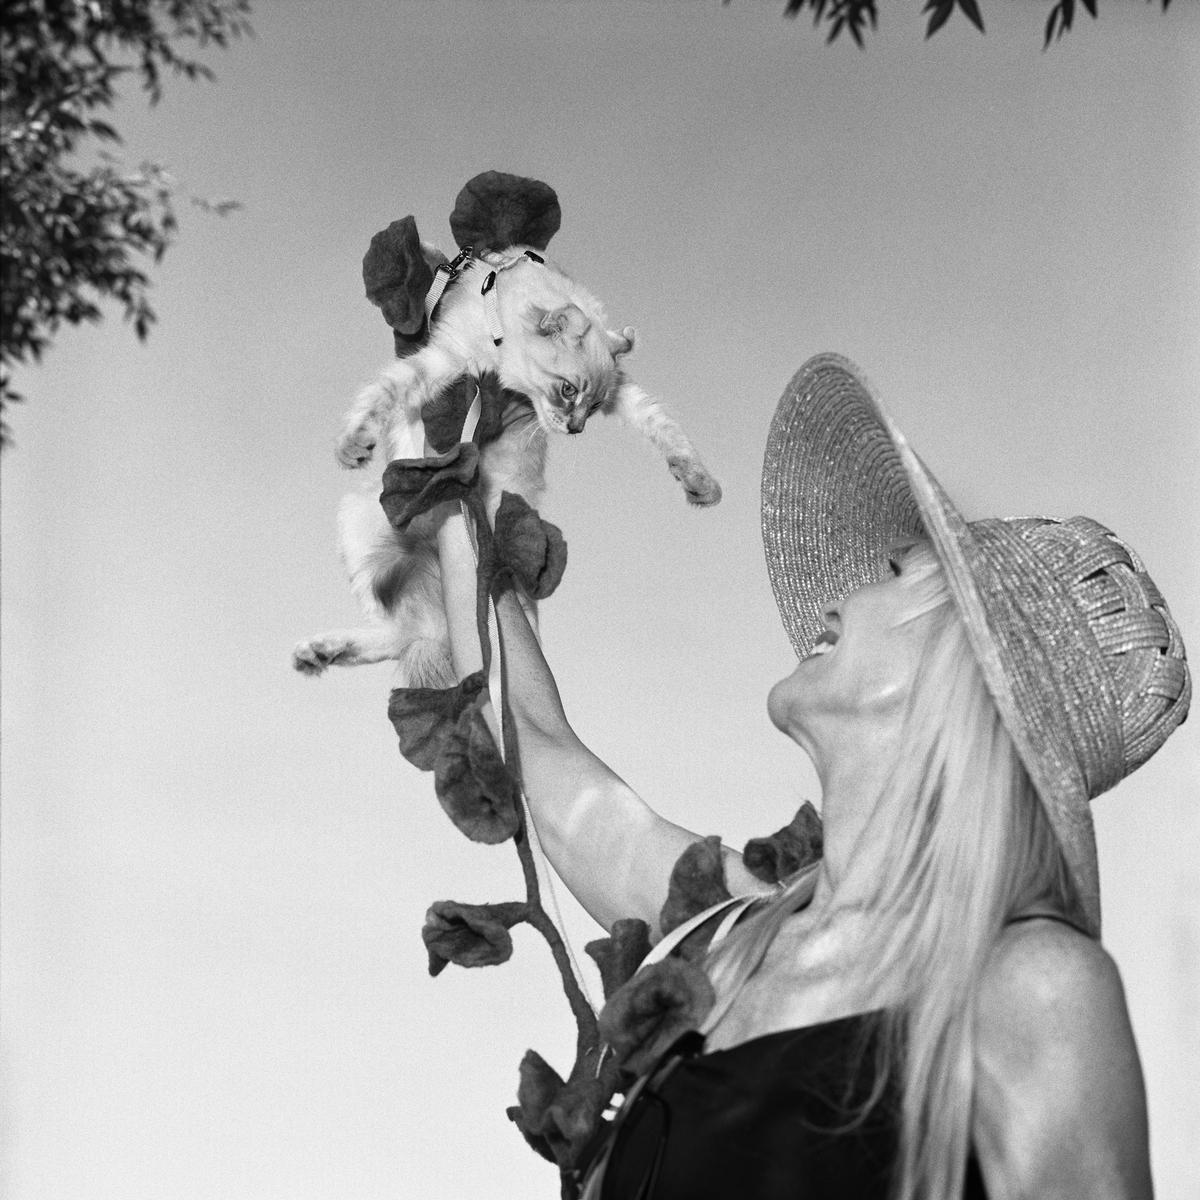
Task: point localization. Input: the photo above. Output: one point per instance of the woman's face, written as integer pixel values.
(860, 670)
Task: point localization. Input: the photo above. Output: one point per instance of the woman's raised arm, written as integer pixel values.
(611, 849)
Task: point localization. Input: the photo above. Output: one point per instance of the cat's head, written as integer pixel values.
(566, 362)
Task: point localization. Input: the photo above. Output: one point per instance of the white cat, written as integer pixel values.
(521, 317)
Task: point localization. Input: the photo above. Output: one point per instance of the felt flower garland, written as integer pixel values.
(444, 731)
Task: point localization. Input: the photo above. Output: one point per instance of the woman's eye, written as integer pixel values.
(569, 390)
(893, 564)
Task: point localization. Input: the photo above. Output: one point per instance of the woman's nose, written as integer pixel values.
(831, 612)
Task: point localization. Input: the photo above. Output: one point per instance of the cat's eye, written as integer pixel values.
(568, 389)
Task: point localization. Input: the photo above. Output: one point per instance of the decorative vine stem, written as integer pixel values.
(489, 585)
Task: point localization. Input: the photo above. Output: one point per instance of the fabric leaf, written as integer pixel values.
(444, 415)
(653, 1009)
(470, 935)
(397, 276)
(697, 882)
(796, 845)
(472, 782)
(620, 954)
(412, 486)
(425, 717)
(557, 1119)
(532, 549)
(495, 210)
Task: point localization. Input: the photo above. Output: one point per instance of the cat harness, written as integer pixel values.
(448, 272)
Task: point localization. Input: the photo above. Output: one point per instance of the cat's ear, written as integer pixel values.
(620, 344)
(568, 321)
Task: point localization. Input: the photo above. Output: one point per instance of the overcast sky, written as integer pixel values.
(215, 871)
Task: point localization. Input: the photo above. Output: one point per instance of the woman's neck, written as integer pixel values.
(853, 786)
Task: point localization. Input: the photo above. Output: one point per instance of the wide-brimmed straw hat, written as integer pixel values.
(1077, 648)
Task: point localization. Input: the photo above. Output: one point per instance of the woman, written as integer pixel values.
(926, 1012)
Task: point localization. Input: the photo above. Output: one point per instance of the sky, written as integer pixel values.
(215, 871)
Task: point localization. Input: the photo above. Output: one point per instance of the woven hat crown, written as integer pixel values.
(1136, 636)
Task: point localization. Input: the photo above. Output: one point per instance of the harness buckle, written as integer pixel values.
(456, 264)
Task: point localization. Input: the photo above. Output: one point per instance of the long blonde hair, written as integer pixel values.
(972, 847)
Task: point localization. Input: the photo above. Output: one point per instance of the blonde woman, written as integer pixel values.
(927, 1013)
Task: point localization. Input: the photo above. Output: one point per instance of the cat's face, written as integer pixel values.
(566, 363)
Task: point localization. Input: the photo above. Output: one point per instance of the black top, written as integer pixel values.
(773, 1118)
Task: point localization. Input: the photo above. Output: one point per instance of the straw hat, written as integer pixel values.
(1075, 642)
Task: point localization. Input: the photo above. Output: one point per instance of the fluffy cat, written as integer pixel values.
(519, 316)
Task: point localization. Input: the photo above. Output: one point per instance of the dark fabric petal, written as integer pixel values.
(532, 549)
(620, 954)
(500, 407)
(472, 782)
(397, 276)
(445, 414)
(412, 486)
(495, 210)
(404, 345)
(656, 1006)
(470, 935)
(557, 1119)
(425, 717)
(796, 845)
(697, 882)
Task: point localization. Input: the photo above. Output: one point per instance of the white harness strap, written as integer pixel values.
(491, 306)
(445, 274)
(733, 908)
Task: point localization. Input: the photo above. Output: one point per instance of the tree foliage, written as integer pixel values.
(72, 218)
(856, 17)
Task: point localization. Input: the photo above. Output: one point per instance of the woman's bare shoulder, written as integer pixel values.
(1060, 1100)
(1049, 970)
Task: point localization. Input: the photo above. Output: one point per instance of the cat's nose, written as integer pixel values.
(577, 420)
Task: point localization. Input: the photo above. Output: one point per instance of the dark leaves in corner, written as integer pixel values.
(796, 845)
(620, 954)
(532, 550)
(940, 11)
(412, 486)
(425, 717)
(472, 783)
(697, 882)
(658, 1005)
(470, 935)
(853, 16)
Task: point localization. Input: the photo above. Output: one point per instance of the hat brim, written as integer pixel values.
(841, 487)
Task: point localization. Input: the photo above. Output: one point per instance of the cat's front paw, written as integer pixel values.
(356, 444)
(699, 486)
(311, 657)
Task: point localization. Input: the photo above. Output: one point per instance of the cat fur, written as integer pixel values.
(557, 351)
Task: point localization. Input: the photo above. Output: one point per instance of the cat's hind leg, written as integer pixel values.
(374, 558)
(396, 578)
(345, 648)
